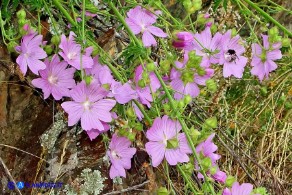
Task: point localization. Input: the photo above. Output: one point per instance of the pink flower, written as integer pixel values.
(120, 155)
(230, 55)
(31, 53)
(243, 189)
(55, 79)
(89, 106)
(185, 81)
(184, 40)
(141, 21)
(263, 58)
(93, 133)
(154, 82)
(123, 93)
(207, 148)
(71, 52)
(101, 74)
(166, 141)
(208, 47)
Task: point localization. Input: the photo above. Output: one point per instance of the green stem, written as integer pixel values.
(268, 17)
(66, 14)
(186, 179)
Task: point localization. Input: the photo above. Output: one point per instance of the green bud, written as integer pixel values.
(22, 22)
(181, 104)
(21, 14)
(188, 168)
(162, 191)
(201, 20)
(130, 112)
(213, 170)
(55, 40)
(172, 143)
(150, 66)
(139, 126)
(145, 75)
(201, 71)
(260, 190)
(264, 90)
(230, 180)
(286, 42)
(187, 77)
(214, 28)
(288, 105)
(123, 132)
(165, 66)
(187, 99)
(206, 163)
(87, 79)
(197, 5)
(131, 136)
(194, 133)
(48, 49)
(194, 60)
(141, 83)
(274, 31)
(211, 85)
(233, 32)
(211, 122)
(11, 46)
(187, 5)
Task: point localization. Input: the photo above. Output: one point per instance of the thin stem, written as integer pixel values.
(186, 179)
(66, 14)
(268, 17)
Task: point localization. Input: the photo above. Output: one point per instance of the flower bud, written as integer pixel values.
(141, 83)
(187, 99)
(181, 104)
(22, 22)
(214, 28)
(213, 170)
(201, 19)
(184, 40)
(131, 136)
(206, 163)
(286, 42)
(21, 14)
(150, 66)
(165, 66)
(55, 40)
(211, 85)
(211, 122)
(233, 32)
(11, 46)
(48, 49)
(264, 91)
(187, 77)
(230, 180)
(201, 71)
(130, 112)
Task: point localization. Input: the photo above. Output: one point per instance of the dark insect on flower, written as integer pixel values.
(231, 55)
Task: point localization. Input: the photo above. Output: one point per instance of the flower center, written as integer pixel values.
(115, 155)
(71, 55)
(53, 79)
(230, 55)
(86, 105)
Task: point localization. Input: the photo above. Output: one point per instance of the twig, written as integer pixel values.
(9, 175)
(128, 189)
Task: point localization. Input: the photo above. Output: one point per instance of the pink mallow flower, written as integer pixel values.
(141, 20)
(264, 57)
(231, 55)
(71, 52)
(123, 93)
(208, 47)
(166, 141)
(89, 106)
(207, 148)
(31, 53)
(184, 40)
(237, 189)
(120, 155)
(55, 79)
(186, 81)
